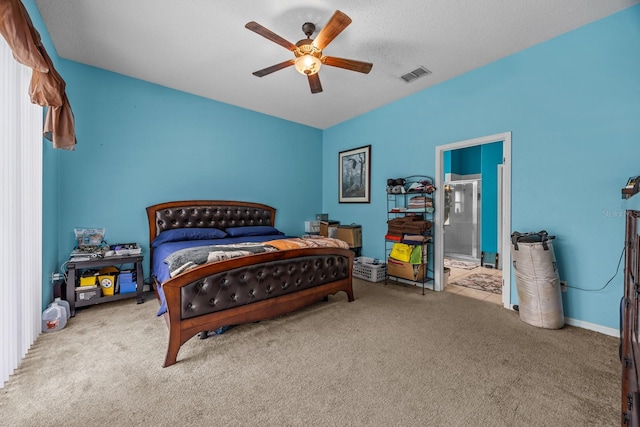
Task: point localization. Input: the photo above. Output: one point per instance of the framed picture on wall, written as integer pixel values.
(354, 175)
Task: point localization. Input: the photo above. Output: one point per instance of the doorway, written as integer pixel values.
(462, 219)
(504, 198)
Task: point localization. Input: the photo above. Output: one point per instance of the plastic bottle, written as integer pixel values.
(64, 304)
(53, 318)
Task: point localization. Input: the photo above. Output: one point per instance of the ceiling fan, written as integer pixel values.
(308, 52)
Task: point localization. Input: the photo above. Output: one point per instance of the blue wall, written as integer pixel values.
(466, 161)
(140, 144)
(491, 157)
(446, 162)
(572, 105)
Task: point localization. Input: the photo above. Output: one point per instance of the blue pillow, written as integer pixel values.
(252, 230)
(178, 234)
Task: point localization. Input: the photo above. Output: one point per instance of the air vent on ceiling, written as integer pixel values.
(418, 72)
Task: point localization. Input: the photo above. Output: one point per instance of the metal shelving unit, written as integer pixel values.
(416, 199)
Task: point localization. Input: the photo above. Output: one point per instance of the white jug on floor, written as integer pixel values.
(54, 318)
(64, 304)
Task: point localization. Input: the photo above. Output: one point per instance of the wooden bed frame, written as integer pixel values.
(244, 289)
(629, 327)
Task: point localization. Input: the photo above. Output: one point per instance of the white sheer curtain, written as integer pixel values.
(20, 214)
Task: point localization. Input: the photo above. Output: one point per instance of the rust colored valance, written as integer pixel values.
(47, 87)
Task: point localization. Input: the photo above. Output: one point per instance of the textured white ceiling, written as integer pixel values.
(201, 46)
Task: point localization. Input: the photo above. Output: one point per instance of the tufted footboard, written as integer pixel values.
(252, 288)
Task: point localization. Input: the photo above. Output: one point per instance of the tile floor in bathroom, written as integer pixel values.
(457, 273)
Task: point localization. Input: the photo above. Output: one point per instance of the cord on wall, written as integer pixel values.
(608, 282)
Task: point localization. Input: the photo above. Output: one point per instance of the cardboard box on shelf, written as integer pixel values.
(329, 228)
(352, 234)
(405, 270)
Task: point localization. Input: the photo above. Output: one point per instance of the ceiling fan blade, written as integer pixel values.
(314, 82)
(273, 68)
(268, 34)
(348, 64)
(338, 22)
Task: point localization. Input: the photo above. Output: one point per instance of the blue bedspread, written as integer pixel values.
(160, 269)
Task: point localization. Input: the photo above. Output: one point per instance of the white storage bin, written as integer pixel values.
(369, 269)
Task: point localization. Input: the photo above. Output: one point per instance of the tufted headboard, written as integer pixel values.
(206, 214)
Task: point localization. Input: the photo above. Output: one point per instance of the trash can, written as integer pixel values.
(537, 279)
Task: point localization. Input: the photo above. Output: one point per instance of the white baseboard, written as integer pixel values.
(613, 332)
(592, 327)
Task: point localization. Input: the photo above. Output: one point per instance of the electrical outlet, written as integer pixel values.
(56, 277)
(563, 285)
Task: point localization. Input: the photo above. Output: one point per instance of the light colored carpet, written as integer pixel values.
(393, 357)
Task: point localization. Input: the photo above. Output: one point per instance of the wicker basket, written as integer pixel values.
(369, 269)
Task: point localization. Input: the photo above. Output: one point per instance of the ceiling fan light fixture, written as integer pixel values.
(308, 64)
(308, 52)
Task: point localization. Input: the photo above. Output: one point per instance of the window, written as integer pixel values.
(20, 214)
